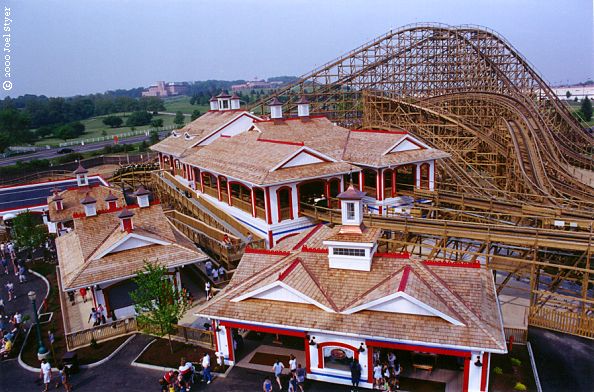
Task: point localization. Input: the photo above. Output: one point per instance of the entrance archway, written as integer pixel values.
(284, 202)
(406, 177)
(312, 193)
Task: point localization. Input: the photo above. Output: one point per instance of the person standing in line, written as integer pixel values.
(355, 374)
(292, 364)
(2, 249)
(221, 273)
(83, 294)
(4, 264)
(377, 375)
(267, 385)
(93, 317)
(301, 374)
(207, 289)
(215, 274)
(22, 274)
(278, 372)
(45, 374)
(206, 368)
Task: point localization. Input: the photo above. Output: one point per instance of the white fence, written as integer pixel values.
(146, 132)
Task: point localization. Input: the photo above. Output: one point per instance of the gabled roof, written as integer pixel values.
(99, 251)
(401, 299)
(71, 200)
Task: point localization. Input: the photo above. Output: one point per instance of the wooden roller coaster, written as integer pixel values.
(517, 190)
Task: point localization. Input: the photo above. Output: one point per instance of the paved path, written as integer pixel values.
(21, 302)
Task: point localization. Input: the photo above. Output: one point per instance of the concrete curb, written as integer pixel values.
(164, 368)
(102, 361)
(534, 369)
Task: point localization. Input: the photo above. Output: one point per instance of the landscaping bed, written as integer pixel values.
(85, 355)
(159, 354)
(512, 371)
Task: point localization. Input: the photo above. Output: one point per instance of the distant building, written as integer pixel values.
(162, 89)
(255, 84)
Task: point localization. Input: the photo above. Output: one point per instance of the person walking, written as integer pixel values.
(4, 264)
(377, 375)
(22, 274)
(215, 275)
(45, 374)
(206, 376)
(207, 289)
(301, 375)
(277, 368)
(64, 378)
(267, 385)
(83, 294)
(292, 364)
(221, 273)
(10, 291)
(355, 374)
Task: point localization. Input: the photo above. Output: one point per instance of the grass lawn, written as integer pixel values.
(182, 104)
(85, 355)
(159, 354)
(94, 128)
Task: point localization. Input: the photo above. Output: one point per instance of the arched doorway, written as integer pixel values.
(312, 193)
(406, 177)
(284, 202)
(224, 193)
(209, 182)
(370, 182)
(424, 181)
(389, 183)
(241, 196)
(335, 189)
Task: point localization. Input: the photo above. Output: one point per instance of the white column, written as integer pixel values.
(432, 175)
(418, 176)
(475, 373)
(294, 201)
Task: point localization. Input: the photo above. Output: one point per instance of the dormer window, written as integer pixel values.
(187, 136)
(350, 211)
(224, 104)
(174, 134)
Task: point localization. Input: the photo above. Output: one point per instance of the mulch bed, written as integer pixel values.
(268, 359)
(511, 374)
(159, 354)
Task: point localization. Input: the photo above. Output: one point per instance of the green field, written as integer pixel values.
(94, 128)
(182, 104)
(574, 107)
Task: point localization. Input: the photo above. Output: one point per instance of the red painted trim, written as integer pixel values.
(321, 346)
(259, 328)
(400, 255)
(446, 263)
(219, 187)
(215, 335)
(229, 200)
(327, 191)
(278, 205)
(378, 184)
(268, 208)
(289, 269)
(484, 372)
(249, 249)
(361, 180)
(307, 358)
(44, 182)
(369, 364)
(394, 183)
(414, 347)
(307, 236)
(314, 250)
(229, 332)
(285, 237)
(404, 278)
(466, 374)
(281, 142)
(270, 239)
(288, 119)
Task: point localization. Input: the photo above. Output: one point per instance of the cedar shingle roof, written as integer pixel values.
(79, 252)
(464, 294)
(71, 200)
(209, 122)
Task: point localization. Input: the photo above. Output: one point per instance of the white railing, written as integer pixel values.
(146, 132)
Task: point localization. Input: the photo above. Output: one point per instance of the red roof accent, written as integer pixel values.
(397, 255)
(288, 270)
(380, 131)
(314, 250)
(281, 142)
(307, 236)
(447, 263)
(404, 279)
(249, 249)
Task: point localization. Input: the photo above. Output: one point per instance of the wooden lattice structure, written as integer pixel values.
(518, 156)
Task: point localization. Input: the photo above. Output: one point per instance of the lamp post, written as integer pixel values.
(41, 350)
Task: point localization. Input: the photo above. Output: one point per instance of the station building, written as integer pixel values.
(339, 299)
(263, 172)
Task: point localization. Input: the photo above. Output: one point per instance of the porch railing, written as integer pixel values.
(214, 192)
(579, 324)
(101, 333)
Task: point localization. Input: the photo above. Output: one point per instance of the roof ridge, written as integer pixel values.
(470, 313)
(317, 283)
(363, 295)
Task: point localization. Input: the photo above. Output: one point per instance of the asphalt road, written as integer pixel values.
(53, 152)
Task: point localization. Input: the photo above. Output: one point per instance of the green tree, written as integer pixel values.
(113, 121)
(195, 114)
(142, 147)
(179, 119)
(157, 301)
(157, 123)
(65, 132)
(139, 118)
(28, 232)
(586, 109)
(154, 137)
(568, 94)
(151, 104)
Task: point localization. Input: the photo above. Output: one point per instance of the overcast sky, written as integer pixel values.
(63, 48)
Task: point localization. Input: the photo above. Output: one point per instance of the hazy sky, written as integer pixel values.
(63, 48)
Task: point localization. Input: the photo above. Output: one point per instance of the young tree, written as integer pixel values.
(28, 232)
(568, 94)
(154, 137)
(586, 109)
(157, 301)
(113, 121)
(179, 119)
(157, 123)
(195, 114)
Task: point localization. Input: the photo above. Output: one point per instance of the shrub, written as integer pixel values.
(75, 156)
(515, 362)
(520, 387)
(94, 343)
(498, 370)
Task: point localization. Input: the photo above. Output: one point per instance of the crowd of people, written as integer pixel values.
(187, 374)
(297, 376)
(10, 322)
(386, 372)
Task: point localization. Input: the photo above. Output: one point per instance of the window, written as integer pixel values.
(338, 358)
(350, 208)
(348, 252)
